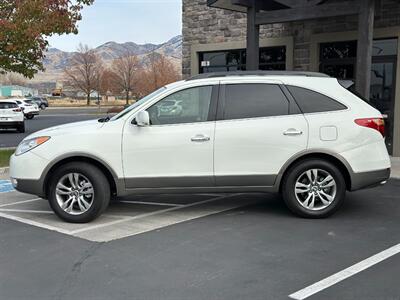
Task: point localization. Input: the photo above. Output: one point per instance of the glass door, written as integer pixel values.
(383, 83)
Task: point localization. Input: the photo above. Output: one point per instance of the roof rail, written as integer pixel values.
(257, 73)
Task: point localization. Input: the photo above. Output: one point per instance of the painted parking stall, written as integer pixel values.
(123, 218)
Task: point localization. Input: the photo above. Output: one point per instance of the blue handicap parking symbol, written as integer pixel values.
(5, 186)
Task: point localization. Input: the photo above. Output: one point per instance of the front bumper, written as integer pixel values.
(369, 179)
(26, 172)
(29, 186)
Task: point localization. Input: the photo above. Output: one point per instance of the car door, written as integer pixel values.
(176, 149)
(257, 131)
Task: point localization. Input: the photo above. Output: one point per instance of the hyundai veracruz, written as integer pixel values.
(300, 134)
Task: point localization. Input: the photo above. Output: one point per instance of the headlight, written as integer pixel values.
(28, 145)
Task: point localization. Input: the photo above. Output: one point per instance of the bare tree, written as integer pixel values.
(124, 69)
(12, 79)
(85, 71)
(159, 72)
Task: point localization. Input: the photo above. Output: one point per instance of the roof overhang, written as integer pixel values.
(226, 4)
(242, 5)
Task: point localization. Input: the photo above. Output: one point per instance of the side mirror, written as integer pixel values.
(142, 119)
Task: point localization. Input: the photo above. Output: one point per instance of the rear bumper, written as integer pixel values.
(32, 113)
(11, 124)
(369, 179)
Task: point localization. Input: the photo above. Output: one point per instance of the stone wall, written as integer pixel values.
(204, 25)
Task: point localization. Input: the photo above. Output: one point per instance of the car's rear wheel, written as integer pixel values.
(42, 106)
(79, 192)
(21, 128)
(314, 188)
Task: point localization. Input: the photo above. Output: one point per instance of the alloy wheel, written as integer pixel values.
(315, 189)
(74, 193)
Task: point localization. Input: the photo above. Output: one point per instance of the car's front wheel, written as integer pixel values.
(42, 106)
(29, 117)
(79, 192)
(314, 188)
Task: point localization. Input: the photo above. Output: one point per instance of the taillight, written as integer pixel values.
(17, 110)
(373, 123)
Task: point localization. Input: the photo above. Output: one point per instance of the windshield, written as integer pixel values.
(138, 103)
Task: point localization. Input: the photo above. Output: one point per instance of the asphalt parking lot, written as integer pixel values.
(48, 118)
(213, 246)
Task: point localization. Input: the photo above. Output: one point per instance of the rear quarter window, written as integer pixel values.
(311, 102)
(7, 105)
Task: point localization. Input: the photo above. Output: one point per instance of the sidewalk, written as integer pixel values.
(395, 167)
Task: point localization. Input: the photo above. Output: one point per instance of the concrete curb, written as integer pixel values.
(4, 171)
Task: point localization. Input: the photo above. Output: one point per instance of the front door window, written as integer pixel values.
(187, 106)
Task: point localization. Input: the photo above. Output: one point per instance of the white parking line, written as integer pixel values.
(20, 202)
(143, 215)
(151, 203)
(33, 223)
(26, 211)
(346, 273)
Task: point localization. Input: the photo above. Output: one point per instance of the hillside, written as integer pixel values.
(56, 60)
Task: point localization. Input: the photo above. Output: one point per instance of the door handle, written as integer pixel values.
(200, 138)
(292, 132)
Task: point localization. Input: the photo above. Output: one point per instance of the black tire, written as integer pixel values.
(42, 106)
(101, 188)
(29, 117)
(21, 128)
(289, 186)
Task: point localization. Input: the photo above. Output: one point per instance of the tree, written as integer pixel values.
(158, 72)
(124, 69)
(107, 84)
(26, 25)
(85, 71)
(12, 79)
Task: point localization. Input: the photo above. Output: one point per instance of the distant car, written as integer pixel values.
(29, 108)
(11, 115)
(170, 108)
(41, 102)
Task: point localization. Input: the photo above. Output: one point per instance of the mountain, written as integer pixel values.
(56, 60)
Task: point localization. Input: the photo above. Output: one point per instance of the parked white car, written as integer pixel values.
(11, 116)
(300, 134)
(29, 108)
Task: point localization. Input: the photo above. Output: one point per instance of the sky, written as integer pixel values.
(139, 21)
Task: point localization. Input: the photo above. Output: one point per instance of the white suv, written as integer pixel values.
(11, 115)
(29, 108)
(300, 134)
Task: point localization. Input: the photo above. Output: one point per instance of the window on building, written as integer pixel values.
(186, 106)
(311, 102)
(243, 101)
(271, 58)
(338, 59)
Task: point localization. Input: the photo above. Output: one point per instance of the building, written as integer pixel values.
(17, 91)
(347, 39)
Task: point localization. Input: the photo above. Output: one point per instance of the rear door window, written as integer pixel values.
(243, 101)
(311, 102)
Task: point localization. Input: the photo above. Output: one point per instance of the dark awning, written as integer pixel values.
(241, 5)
